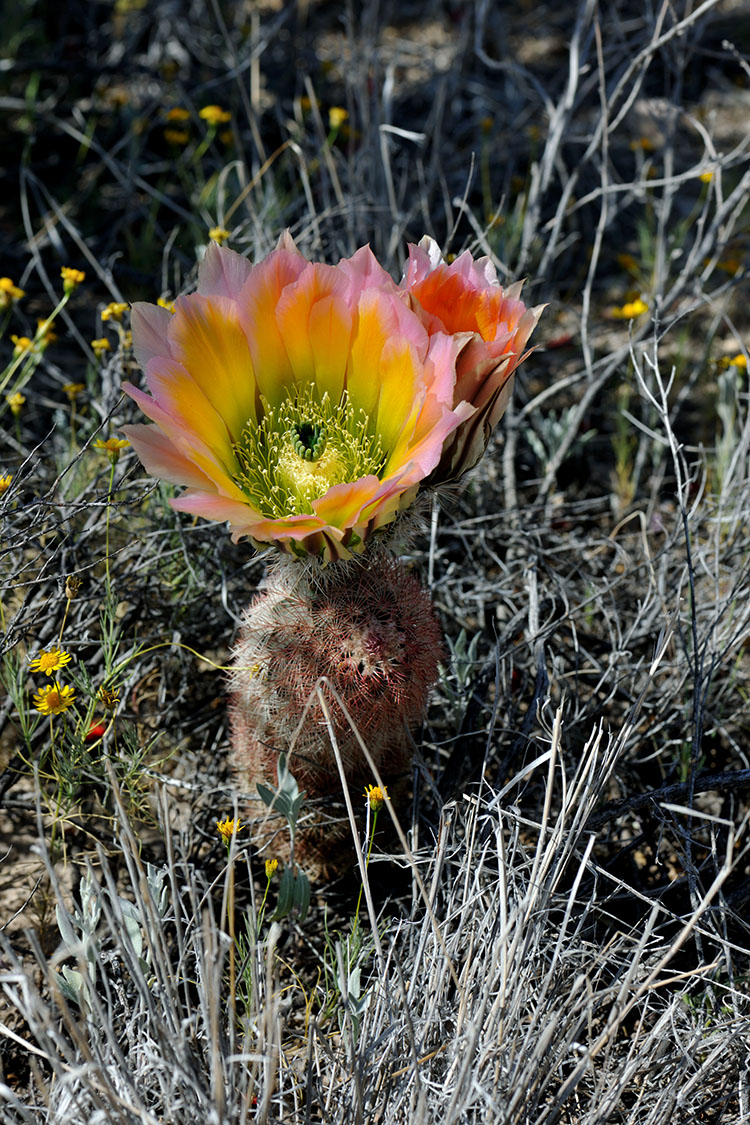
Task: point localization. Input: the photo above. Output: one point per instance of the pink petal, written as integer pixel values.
(223, 272)
(365, 271)
(160, 458)
(423, 259)
(215, 507)
(149, 324)
(342, 504)
(187, 442)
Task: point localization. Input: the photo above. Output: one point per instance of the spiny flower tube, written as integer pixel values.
(306, 404)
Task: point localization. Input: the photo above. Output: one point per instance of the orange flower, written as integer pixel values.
(492, 327)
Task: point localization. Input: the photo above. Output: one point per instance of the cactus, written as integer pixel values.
(364, 636)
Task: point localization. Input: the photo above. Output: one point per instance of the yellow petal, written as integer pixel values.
(206, 338)
(258, 305)
(316, 325)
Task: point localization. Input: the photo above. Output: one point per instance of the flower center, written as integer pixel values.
(303, 447)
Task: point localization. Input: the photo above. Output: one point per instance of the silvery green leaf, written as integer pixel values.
(286, 894)
(132, 920)
(301, 895)
(72, 985)
(266, 795)
(91, 909)
(156, 879)
(67, 932)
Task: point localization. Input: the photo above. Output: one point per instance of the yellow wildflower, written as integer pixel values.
(215, 115)
(337, 115)
(178, 113)
(376, 797)
(163, 303)
(706, 177)
(5, 483)
(642, 143)
(176, 136)
(9, 293)
(53, 700)
(15, 402)
(219, 235)
(50, 660)
(44, 333)
(739, 360)
(71, 278)
(115, 310)
(112, 447)
(72, 390)
(101, 346)
(109, 699)
(228, 828)
(271, 867)
(21, 344)
(630, 310)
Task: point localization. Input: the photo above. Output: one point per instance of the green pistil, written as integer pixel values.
(308, 440)
(303, 447)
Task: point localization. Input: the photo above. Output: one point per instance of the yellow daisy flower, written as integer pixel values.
(9, 293)
(101, 346)
(337, 115)
(112, 447)
(50, 661)
(53, 700)
(71, 278)
(21, 344)
(72, 390)
(630, 310)
(228, 828)
(215, 115)
(15, 402)
(115, 310)
(376, 797)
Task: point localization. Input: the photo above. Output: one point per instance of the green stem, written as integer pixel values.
(263, 904)
(367, 864)
(106, 539)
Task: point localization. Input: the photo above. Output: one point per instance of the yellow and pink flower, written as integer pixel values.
(306, 404)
